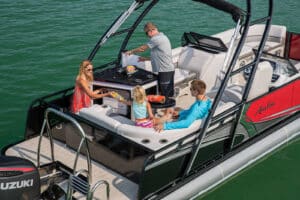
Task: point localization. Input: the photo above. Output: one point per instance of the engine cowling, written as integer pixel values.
(19, 179)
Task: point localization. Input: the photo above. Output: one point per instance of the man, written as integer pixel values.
(198, 110)
(161, 58)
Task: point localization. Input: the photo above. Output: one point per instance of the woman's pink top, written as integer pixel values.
(80, 99)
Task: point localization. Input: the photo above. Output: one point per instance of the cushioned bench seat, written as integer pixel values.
(146, 137)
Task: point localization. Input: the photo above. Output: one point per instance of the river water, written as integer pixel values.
(42, 43)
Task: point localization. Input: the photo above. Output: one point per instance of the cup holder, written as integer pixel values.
(145, 141)
(162, 141)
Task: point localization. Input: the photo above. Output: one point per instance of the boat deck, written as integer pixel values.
(120, 187)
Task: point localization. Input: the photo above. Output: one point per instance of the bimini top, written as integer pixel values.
(222, 5)
(235, 11)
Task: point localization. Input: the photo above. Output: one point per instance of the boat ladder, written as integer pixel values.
(79, 184)
(79, 181)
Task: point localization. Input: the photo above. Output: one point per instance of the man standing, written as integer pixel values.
(161, 58)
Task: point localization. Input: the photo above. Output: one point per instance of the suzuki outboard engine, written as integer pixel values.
(19, 179)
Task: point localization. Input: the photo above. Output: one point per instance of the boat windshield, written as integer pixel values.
(279, 64)
(203, 42)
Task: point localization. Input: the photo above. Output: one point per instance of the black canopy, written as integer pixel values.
(235, 11)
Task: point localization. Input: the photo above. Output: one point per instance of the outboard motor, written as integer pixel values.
(19, 179)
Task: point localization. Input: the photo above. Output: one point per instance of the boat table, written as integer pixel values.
(116, 79)
(167, 104)
(124, 87)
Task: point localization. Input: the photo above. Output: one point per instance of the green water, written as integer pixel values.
(42, 43)
(273, 178)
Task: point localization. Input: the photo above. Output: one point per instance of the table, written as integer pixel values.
(116, 79)
(124, 87)
(168, 103)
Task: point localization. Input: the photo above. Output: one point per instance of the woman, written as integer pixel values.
(83, 93)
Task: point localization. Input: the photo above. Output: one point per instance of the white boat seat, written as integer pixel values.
(277, 34)
(200, 62)
(261, 85)
(101, 114)
(262, 80)
(231, 94)
(193, 60)
(147, 137)
(182, 75)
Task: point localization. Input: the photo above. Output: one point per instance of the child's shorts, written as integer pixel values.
(148, 123)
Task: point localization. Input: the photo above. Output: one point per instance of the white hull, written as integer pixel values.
(238, 162)
(124, 189)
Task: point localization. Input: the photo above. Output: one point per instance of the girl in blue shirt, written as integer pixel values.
(141, 108)
(198, 110)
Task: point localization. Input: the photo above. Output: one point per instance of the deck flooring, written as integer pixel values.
(120, 187)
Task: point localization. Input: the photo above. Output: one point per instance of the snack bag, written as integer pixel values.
(156, 98)
(117, 96)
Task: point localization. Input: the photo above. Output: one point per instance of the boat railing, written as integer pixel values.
(78, 184)
(229, 69)
(59, 100)
(231, 45)
(63, 94)
(83, 141)
(80, 180)
(96, 186)
(114, 27)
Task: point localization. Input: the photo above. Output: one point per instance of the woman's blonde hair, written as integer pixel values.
(82, 68)
(199, 86)
(139, 94)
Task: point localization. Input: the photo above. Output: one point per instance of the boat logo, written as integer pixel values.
(16, 184)
(264, 108)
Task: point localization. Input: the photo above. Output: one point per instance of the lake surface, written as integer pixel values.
(42, 43)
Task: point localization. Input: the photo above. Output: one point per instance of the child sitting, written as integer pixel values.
(141, 108)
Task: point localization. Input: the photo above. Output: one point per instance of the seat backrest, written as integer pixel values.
(206, 65)
(192, 59)
(261, 83)
(262, 80)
